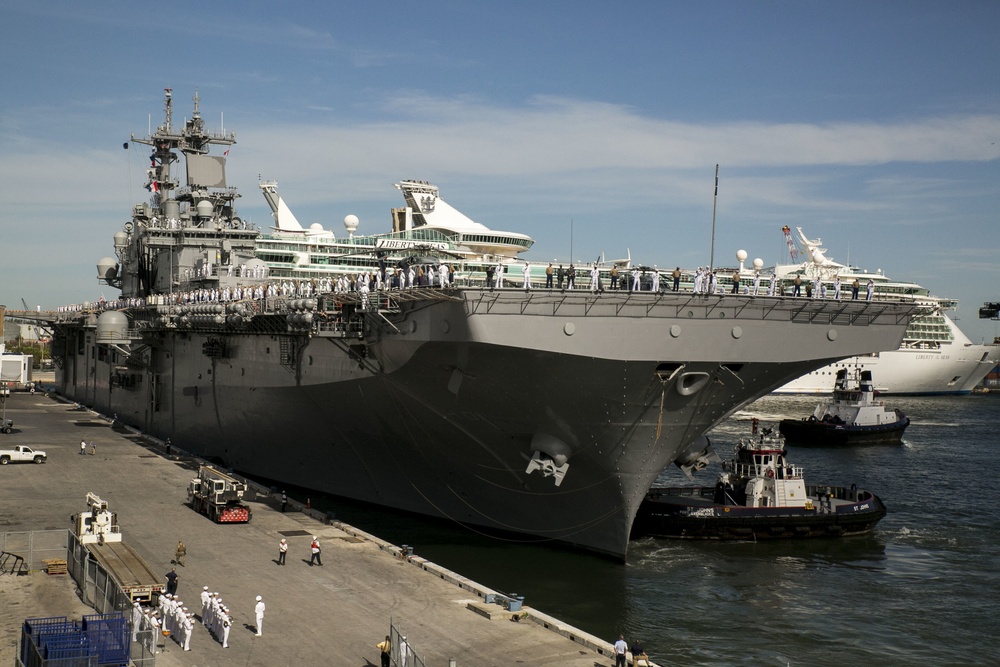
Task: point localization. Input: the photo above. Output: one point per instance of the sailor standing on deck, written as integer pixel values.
(526, 272)
(259, 613)
(595, 278)
(656, 280)
(756, 282)
(444, 275)
(499, 275)
(836, 288)
(363, 289)
(188, 630)
(871, 290)
(154, 623)
(205, 599)
(227, 623)
(136, 620)
(635, 280)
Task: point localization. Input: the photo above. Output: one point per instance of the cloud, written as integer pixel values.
(551, 135)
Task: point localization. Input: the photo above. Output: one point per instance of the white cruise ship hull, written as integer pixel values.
(953, 369)
(442, 403)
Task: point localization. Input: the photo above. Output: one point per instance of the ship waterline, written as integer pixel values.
(542, 413)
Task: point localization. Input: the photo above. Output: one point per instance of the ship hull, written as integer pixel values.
(690, 513)
(824, 434)
(441, 409)
(954, 369)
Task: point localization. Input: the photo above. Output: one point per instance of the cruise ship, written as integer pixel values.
(935, 357)
(311, 358)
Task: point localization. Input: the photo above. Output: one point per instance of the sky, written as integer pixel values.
(594, 127)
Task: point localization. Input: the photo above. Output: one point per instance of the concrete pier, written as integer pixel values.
(329, 615)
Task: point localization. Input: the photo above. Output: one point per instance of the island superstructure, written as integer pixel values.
(293, 356)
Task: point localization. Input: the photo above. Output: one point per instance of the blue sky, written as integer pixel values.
(875, 126)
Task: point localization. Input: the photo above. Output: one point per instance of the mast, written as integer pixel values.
(715, 198)
(192, 139)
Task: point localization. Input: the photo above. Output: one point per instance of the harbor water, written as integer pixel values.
(923, 589)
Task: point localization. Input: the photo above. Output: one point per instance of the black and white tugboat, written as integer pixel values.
(853, 416)
(759, 495)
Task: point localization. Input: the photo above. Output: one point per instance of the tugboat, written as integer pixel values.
(759, 495)
(851, 417)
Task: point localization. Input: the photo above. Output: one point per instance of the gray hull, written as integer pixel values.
(439, 404)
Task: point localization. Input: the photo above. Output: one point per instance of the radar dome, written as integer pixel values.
(112, 327)
(107, 269)
(741, 255)
(316, 227)
(758, 264)
(205, 209)
(351, 223)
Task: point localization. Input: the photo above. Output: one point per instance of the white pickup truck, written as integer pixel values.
(21, 454)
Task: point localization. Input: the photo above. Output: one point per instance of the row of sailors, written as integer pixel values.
(176, 223)
(207, 270)
(705, 282)
(173, 618)
(215, 616)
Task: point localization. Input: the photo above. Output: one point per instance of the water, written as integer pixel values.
(924, 589)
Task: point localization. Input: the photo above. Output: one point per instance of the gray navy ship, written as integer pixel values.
(308, 358)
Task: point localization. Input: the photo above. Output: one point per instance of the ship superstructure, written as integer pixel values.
(545, 413)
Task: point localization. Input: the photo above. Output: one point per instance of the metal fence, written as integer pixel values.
(99, 589)
(35, 545)
(96, 587)
(402, 653)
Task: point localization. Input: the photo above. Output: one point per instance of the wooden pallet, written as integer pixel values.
(54, 565)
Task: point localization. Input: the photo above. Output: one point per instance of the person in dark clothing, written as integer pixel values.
(172, 581)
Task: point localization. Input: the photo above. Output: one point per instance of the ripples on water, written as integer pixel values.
(924, 589)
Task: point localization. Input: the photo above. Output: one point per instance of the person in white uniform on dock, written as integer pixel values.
(259, 613)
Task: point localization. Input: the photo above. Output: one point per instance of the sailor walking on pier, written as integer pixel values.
(259, 613)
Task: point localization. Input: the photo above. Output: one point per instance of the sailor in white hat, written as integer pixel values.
(136, 620)
(259, 611)
(226, 623)
(205, 598)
